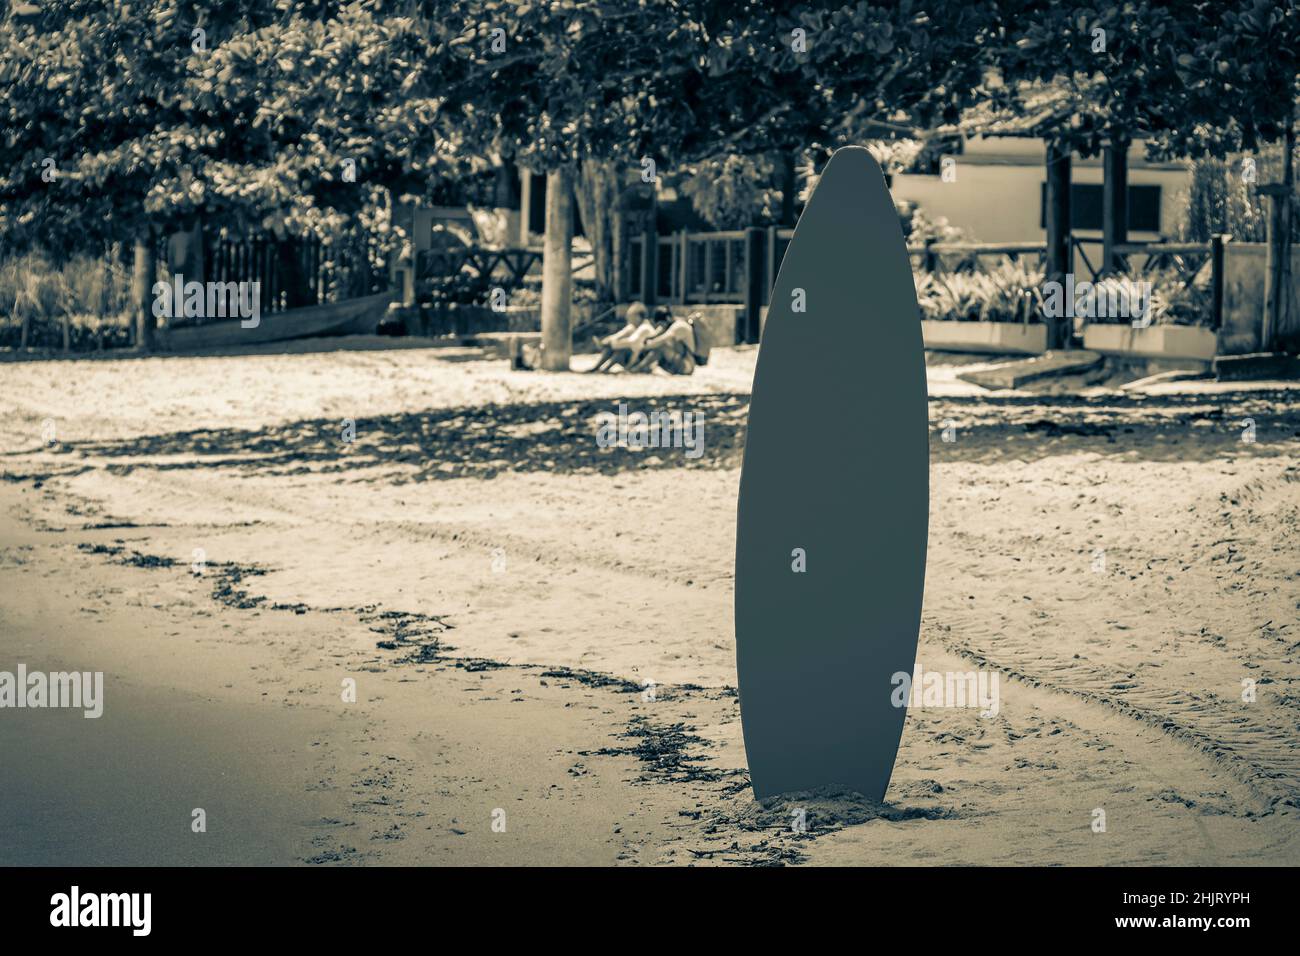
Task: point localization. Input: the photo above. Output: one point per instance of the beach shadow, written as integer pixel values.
(307, 346)
(1177, 428)
(477, 442)
(484, 441)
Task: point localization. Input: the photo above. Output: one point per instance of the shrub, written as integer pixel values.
(88, 295)
(1013, 292)
(1173, 302)
(1009, 292)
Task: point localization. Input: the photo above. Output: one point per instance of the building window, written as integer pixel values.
(1086, 207)
(537, 203)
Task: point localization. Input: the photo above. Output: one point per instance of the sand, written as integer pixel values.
(501, 590)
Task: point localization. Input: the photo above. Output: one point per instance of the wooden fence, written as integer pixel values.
(294, 273)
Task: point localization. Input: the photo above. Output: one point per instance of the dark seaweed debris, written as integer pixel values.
(226, 589)
(593, 679)
(664, 748)
(416, 633)
(133, 558)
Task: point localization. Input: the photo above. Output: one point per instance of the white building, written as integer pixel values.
(996, 193)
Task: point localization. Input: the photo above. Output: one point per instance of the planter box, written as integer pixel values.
(1000, 337)
(1156, 341)
(723, 322)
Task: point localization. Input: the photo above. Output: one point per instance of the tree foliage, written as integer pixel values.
(256, 125)
(1190, 76)
(259, 121)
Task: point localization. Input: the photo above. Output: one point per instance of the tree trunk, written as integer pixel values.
(597, 194)
(557, 273)
(142, 279)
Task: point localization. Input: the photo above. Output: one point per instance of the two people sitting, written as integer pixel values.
(644, 343)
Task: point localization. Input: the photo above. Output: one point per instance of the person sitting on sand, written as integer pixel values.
(677, 349)
(611, 346)
(625, 346)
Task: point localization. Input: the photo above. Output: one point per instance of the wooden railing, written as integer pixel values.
(1185, 259)
(714, 267)
(710, 267)
(970, 256)
(468, 273)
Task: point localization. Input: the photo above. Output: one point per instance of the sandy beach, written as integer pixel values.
(540, 635)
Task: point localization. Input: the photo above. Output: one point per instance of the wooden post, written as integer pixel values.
(525, 202)
(1217, 243)
(769, 273)
(142, 279)
(683, 246)
(1058, 232)
(650, 252)
(557, 273)
(1279, 246)
(708, 268)
(755, 281)
(1114, 222)
(649, 268)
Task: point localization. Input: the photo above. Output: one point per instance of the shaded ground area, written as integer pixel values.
(559, 436)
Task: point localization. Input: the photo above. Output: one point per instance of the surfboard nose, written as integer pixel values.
(854, 163)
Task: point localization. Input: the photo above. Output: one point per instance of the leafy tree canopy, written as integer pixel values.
(1190, 76)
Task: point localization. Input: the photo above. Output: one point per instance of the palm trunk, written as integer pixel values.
(557, 273)
(142, 278)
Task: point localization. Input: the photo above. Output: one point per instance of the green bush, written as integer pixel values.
(1173, 302)
(89, 295)
(1013, 292)
(1009, 292)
